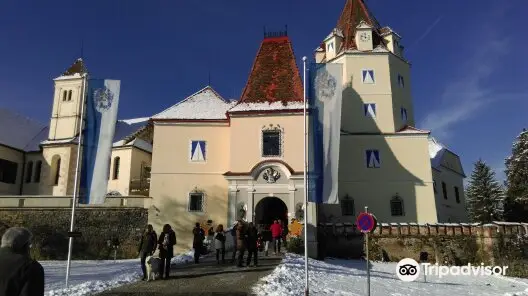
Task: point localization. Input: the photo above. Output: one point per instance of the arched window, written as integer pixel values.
(29, 172)
(347, 206)
(69, 95)
(65, 95)
(38, 169)
(396, 205)
(55, 170)
(115, 174)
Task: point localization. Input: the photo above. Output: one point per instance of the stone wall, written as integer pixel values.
(499, 243)
(98, 225)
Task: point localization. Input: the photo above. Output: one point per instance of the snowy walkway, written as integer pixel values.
(348, 277)
(206, 278)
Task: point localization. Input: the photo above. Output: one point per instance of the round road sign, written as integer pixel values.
(366, 222)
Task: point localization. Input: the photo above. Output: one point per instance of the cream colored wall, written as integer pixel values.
(385, 93)
(68, 155)
(448, 209)
(66, 115)
(246, 141)
(17, 156)
(174, 176)
(138, 157)
(33, 188)
(122, 183)
(405, 171)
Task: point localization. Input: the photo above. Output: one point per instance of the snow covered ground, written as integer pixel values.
(348, 277)
(88, 277)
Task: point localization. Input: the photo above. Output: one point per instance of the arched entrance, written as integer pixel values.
(270, 209)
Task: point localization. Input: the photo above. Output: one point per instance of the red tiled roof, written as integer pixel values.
(274, 76)
(77, 68)
(353, 13)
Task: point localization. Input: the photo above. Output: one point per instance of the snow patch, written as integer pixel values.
(204, 104)
(348, 277)
(135, 120)
(267, 106)
(91, 277)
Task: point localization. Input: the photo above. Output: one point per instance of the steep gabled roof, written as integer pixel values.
(19, 132)
(274, 76)
(353, 13)
(437, 152)
(206, 104)
(77, 67)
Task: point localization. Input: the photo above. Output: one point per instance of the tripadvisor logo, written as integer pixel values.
(409, 270)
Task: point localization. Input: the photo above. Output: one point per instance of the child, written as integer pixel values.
(219, 243)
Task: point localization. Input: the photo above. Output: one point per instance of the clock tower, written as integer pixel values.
(364, 36)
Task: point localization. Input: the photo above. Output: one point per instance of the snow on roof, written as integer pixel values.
(241, 107)
(73, 76)
(204, 104)
(18, 131)
(436, 151)
(135, 120)
(127, 127)
(139, 143)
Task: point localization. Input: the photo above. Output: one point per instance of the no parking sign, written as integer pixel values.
(366, 222)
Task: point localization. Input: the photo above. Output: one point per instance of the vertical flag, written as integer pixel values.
(325, 97)
(100, 122)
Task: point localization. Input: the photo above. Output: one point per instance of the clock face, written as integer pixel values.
(364, 36)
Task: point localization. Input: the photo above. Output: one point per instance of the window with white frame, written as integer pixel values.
(367, 76)
(369, 110)
(198, 151)
(196, 202)
(271, 143)
(373, 158)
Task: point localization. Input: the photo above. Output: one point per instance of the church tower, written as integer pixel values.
(60, 150)
(384, 160)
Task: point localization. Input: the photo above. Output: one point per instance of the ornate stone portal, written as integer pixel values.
(271, 175)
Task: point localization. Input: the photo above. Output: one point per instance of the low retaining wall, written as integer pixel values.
(98, 225)
(498, 243)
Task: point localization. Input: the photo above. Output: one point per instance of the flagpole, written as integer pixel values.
(75, 185)
(306, 290)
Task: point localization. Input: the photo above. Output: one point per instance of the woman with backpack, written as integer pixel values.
(219, 243)
(166, 243)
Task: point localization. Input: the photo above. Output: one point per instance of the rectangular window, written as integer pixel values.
(396, 205)
(403, 112)
(271, 143)
(457, 195)
(444, 190)
(369, 110)
(198, 152)
(196, 202)
(8, 171)
(347, 206)
(38, 170)
(373, 159)
(401, 82)
(29, 172)
(367, 76)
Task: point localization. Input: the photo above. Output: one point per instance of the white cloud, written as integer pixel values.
(467, 92)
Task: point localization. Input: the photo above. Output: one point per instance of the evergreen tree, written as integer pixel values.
(484, 195)
(517, 180)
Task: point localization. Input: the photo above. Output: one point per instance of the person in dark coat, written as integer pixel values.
(147, 247)
(241, 242)
(267, 238)
(19, 274)
(234, 236)
(166, 243)
(198, 238)
(251, 239)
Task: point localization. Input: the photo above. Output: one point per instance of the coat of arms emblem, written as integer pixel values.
(103, 99)
(325, 85)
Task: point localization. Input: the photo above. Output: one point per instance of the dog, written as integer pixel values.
(152, 264)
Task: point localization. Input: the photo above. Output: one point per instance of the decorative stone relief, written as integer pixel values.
(271, 175)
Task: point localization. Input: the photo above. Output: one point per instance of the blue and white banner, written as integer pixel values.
(325, 98)
(102, 101)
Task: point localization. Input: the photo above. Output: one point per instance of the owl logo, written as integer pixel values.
(103, 99)
(325, 85)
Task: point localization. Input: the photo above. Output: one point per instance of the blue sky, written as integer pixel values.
(468, 57)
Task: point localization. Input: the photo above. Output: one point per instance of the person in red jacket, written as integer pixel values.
(276, 233)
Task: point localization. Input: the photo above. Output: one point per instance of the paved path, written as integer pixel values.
(205, 278)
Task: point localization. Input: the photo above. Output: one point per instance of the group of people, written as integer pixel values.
(165, 244)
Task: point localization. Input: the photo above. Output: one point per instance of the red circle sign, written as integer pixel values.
(365, 222)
